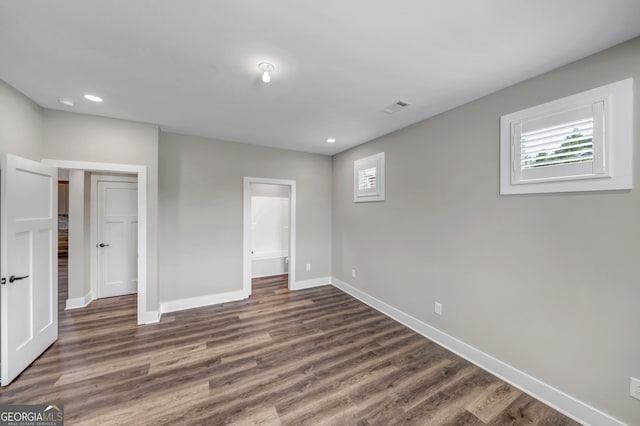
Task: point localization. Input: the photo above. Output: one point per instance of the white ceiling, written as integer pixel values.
(190, 66)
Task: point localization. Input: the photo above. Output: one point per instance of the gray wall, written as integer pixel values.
(79, 259)
(79, 265)
(79, 137)
(20, 124)
(201, 183)
(546, 283)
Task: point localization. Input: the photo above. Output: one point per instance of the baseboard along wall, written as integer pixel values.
(314, 282)
(200, 301)
(79, 302)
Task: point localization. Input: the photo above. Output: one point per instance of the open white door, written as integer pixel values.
(28, 263)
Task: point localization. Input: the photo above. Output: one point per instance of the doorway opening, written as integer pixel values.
(269, 235)
(97, 238)
(79, 170)
(269, 228)
(63, 237)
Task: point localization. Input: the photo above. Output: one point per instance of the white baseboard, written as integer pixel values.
(79, 302)
(314, 282)
(149, 317)
(269, 275)
(200, 301)
(551, 396)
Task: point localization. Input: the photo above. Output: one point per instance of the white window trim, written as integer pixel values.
(615, 169)
(376, 161)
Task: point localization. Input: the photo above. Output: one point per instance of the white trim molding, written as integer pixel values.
(141, 172)
(551, 396)
(314, 282)
(151, 317)
(79, 302)
(200, 301)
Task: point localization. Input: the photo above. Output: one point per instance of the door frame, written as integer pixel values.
(94, 223)
(143, 315)
(246, 230)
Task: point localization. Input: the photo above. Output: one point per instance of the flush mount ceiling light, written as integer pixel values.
(331, 140)
(266, 68)
(65, 102)
(93, 98)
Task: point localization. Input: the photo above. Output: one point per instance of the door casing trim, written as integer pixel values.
(143, 314)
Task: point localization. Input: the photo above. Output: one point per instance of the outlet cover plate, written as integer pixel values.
(438, 308)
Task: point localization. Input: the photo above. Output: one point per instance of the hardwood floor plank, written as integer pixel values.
(316, 357)
(254, 416)
(493, 401)
(146, 410)
(373, 399)
(280, 308)
(445, 404)
(99, 370)
(527, 411)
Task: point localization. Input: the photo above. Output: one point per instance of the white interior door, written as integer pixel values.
(28, 262)
(117, 237)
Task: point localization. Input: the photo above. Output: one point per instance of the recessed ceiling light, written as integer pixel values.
(331, 140)
(65, 102)
(93, 98)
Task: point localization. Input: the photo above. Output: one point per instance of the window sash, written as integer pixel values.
(368, 178)
(367, 184)
(545, 134)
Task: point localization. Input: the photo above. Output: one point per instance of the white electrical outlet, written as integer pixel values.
(438, 308)
(308, 267)
(353, 273)
(634, 390)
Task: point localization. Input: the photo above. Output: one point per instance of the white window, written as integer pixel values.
(578, 143)
(368, 178)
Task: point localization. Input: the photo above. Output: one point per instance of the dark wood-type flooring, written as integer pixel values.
(311, 357)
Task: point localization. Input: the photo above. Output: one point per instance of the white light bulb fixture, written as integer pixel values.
(266, 69)
(331, 140)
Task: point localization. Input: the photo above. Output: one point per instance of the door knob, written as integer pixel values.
(103, 245)
(13, 278)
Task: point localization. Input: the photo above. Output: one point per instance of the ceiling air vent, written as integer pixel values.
(396, 106)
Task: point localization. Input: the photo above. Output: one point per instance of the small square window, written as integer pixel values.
(368, 178)
(578, 143)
